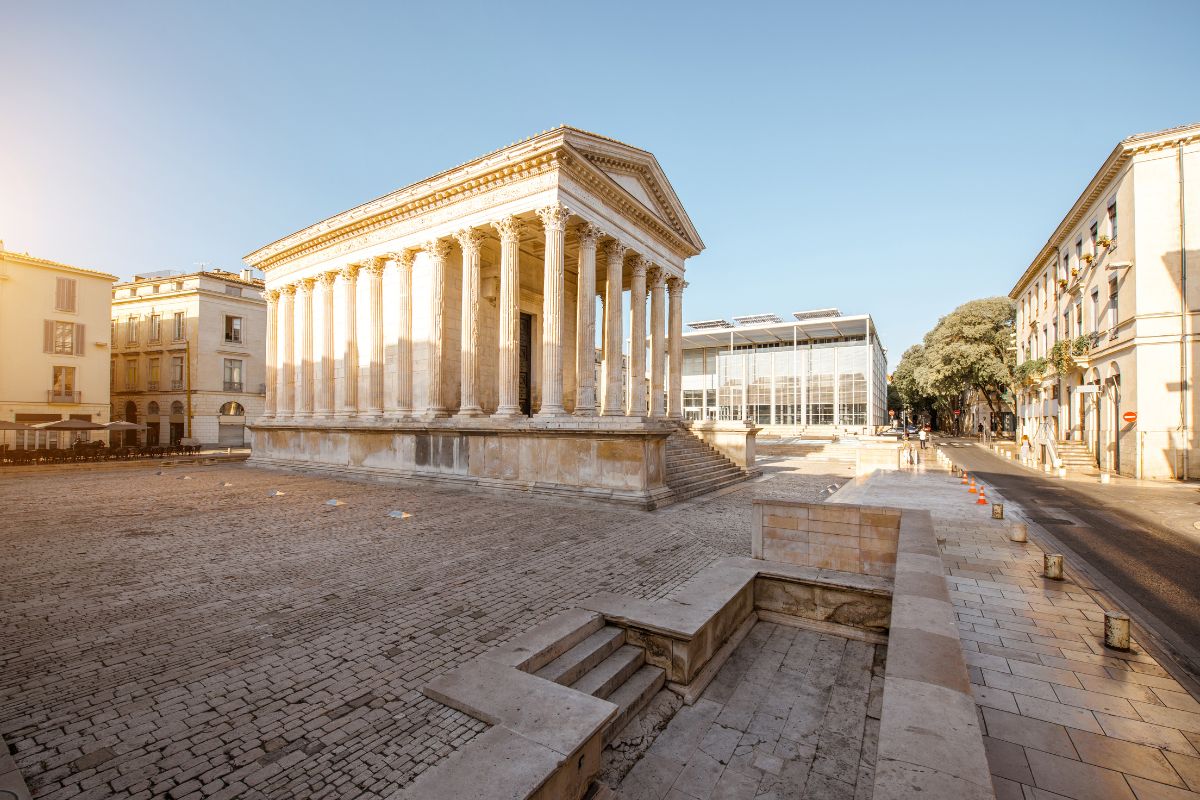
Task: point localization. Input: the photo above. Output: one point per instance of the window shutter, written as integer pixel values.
(48, 336)
(59, 291)
(79, 339)
(71, 294)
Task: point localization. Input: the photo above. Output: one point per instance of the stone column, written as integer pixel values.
(554, 220)
(658, 355)
(404, 375)
(304, 390)
(468, 406)
(637, 338)
(325, 405)
(585, 323)
(375, 400)
(436, 250)
(272, 364)
(350, 355)
(509, 229)
(614, 401)
(287, 388)
(675, 389)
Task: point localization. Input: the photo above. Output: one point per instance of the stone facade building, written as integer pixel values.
(448, 330)
(187, 355)
(1107, 315)
(52, 319)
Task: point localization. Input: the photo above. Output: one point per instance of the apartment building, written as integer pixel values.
(52, 319)
(188, 353)
(1106, 315)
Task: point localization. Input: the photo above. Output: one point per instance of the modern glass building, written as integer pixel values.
(820, 369)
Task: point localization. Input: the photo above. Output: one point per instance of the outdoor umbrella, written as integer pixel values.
(121, 425)
(70, 425)
(5, 425)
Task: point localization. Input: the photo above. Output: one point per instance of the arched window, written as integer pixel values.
(232, 409)
(177, 407)
(130, 411)
(152, 409)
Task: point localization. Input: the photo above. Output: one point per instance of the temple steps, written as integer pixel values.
(694, 468)
(583, 657)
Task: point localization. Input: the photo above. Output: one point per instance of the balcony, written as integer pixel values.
(176, 385)
(57, 396)
(152, 386)
(233, 386)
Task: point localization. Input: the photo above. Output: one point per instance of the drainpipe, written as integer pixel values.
(1184, 358)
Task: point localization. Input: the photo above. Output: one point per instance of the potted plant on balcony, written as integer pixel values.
(1062, 283)
(1074, 272)
(1060, 358)
(1030, 372)
(1088, 258)
(1104, 242)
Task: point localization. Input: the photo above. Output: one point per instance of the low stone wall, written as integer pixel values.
(625, 464)
(859, 539)
(877, 455)
(734, 440)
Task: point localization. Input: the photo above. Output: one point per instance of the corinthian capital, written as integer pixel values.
(350, 272)
(676, 285)
(404, 258)
(656, 277)
(272, 295)
(374, 266)
(437, 248)
(614, 251)
(288, 290)
(306, 285)
(469, 240)
(589, 234)
(640, 266)
(554, 217)
(328, 278)
(509, 229)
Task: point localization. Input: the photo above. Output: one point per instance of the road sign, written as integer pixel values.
(957, 411)
(1129, 416)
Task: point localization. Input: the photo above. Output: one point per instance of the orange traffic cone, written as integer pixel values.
(964, 478)
(982, 501)
(971, 488)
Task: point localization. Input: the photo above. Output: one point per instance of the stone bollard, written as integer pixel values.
(1019, 532)
(1062, 472)
(1104, 477)
(1116, 630)
(997, 510)
(1052, 566)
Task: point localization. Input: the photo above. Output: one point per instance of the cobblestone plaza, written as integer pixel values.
(185, 635)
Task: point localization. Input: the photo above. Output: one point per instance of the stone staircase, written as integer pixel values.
(598, 662)
(694, 468)
(1075, 456)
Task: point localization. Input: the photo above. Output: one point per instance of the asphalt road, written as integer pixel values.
(1138, 537)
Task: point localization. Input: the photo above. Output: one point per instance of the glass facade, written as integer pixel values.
(839, 382)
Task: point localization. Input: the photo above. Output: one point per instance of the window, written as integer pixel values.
(131, 375)
(131, 330)
(62, 338)
(235, 291)
(177, 372)
(1078, 252)
(232, 409)
(1066, 326)
(1055, 331)
(64, 295)
(233, 329)
(1095, 310)
(1112, 220)
(180, 330)
(1045, 335)
(155, 327)
(63, 384)
(1066, 265)
(113, 335)
(233, 374)
(153, 374)
(1078, 318)
(1095, 234)
(1112, 304)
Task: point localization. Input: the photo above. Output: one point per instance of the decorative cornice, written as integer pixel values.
(437, 249)
(554, 217)
(509, 229)
(589, 234)
(469, 239)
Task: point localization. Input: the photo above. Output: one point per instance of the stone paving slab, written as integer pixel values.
(1062, 715)
(164, 637)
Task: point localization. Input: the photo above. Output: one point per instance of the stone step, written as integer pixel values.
(690, 459)
(603, 679)
(633, 695)
(685, 492)
(700, 469)
(571, 665)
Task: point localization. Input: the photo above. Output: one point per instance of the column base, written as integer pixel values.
(550, 413)
(435, 413)
(508, 413)
(469, 413)
(585, 412)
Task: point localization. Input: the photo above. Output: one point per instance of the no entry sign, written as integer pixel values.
(1129, 416)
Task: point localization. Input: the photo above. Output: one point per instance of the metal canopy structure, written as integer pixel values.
(709, 324)
(818, 313)
(800, 331)
(757, 319)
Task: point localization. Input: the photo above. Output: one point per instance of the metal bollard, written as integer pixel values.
(1116, 630)
(1052, 566)
(1019, 532)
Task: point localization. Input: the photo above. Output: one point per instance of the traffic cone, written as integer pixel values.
(964, 478)
(972, 488)
(982, 501)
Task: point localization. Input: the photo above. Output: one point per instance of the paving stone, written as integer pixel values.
(1127, 757)
(1076, 779)
(1007, 760)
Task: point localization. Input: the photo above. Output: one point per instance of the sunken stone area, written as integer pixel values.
(791, 714)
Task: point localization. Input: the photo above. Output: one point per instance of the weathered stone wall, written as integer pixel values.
(858, 539)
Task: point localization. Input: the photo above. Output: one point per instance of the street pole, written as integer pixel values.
(187, 378)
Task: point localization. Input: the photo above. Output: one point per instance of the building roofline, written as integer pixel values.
(34, 261)
(1125, 150)
(218, 274)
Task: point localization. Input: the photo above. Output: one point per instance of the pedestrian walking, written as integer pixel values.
(980, 431)
(922, 436)
(1025, 450)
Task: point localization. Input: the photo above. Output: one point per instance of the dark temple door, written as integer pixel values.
(525, 364)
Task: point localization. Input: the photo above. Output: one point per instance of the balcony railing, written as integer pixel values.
(152, 386)
(176, 384)
(233, 386)
(57, 396)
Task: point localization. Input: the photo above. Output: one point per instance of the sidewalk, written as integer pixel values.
(1062, 716)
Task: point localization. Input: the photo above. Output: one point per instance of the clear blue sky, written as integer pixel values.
(891, 158)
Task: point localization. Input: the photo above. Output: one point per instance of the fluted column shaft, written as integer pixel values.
(614, 401)
(350, 355)
(328, 357)
(637, 339)
(436, 251)
(404, 375)
(509, 229)
(375, 285)
(585, 323)
(554, 220)
(287, 388)
(675, 389)
(468, 405)
(658, 354)
(304, 390)
(272, 353)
